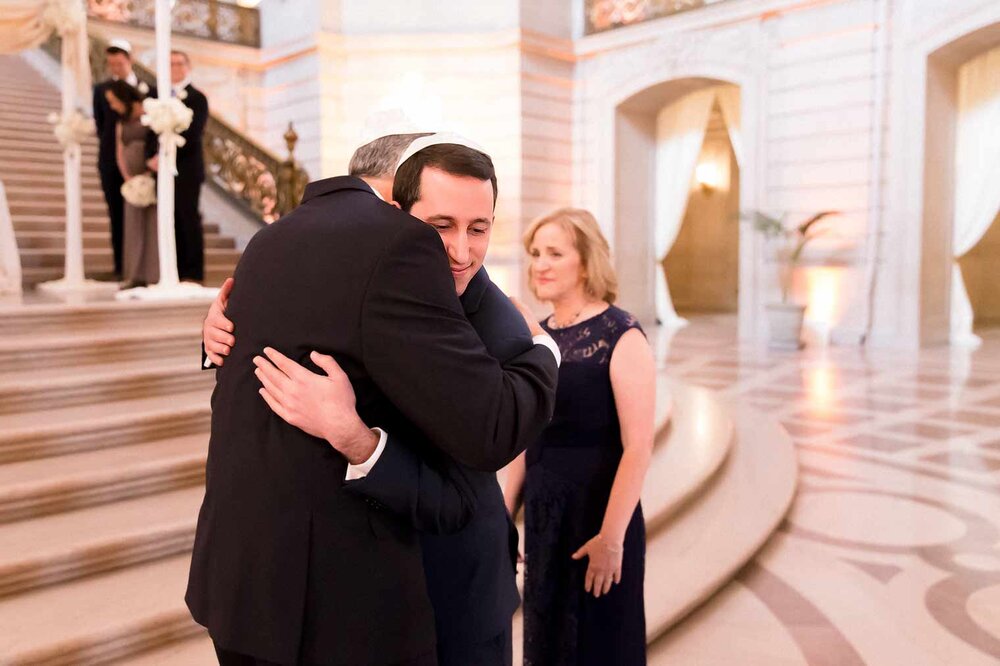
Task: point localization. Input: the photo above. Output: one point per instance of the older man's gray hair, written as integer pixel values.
(378, 158)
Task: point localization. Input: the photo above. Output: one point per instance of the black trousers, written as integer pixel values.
(498, 651)
(230, 658)
(188, 229)
(111, 183)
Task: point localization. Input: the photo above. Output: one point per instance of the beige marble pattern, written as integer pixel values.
(891, 551)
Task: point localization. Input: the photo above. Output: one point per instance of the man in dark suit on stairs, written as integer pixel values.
(289, 566)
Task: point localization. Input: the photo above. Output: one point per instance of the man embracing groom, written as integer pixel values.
(367, 396)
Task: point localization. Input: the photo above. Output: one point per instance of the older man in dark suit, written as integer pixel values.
(289, 567)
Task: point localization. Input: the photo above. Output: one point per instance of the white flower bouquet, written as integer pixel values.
(140, 191)
(166, 116)
(74, 128)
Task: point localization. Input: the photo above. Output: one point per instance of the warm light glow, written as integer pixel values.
(419, 104)
(822, 284)
(709, 176)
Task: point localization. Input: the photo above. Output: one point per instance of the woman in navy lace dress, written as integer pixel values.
(585, 542)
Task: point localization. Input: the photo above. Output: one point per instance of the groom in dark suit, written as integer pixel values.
(288, 567)
(470, 572)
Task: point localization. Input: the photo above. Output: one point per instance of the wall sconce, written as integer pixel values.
(709, 176)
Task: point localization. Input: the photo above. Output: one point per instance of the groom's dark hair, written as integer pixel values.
(378, 158)
(450, 158)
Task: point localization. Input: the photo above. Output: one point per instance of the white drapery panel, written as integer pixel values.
(680, 132)
(728, 98)
(977, 176)
(22, 25)
(10, 259)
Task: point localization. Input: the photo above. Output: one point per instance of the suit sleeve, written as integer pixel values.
(427, 359)
(434, 498)
(98, 106)
(199, 105)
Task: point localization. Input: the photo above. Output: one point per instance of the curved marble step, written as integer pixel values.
(92, 427)
(42, 318)
(66, 546)
(707, 543)
(98, 619)
(52, 485)
(51, 388)
(19, 353)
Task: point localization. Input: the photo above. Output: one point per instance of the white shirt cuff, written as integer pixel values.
(551, 344)
(361, 470)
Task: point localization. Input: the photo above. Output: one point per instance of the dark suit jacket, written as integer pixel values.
(471, 572)
(287, 566)
(105, 119)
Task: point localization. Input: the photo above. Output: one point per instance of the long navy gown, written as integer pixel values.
(570, 471)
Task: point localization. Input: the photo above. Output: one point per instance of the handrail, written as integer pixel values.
(265, 185)
(209, 19)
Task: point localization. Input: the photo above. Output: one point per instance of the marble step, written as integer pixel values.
(48, 147)
(52, 168)
(36, 389)
(96, 239)
(101, 257)
(56, 207)
(197, 650)
(98, 619)
(93, 427)
(89, 181)
(68, 546)
(710, 541)
(35, 191)
(214, 275)
(92, 223)
(87, 348)
(19, 159)
(46, 486)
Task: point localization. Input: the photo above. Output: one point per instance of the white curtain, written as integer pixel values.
(728, 98)
(10, 259)
(977, 176)
(680, 132)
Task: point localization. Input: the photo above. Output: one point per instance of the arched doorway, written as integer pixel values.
(961, 187)
(664, 136)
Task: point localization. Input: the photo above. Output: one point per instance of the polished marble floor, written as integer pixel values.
(891, 552)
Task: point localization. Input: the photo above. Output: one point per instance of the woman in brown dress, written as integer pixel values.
(140, 259)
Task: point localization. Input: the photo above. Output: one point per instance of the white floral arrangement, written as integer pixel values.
(168, 118)
(75, 128)
(143, 87)
(140, 191)
(64, 16)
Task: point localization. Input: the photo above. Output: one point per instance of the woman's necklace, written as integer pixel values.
(556, 324)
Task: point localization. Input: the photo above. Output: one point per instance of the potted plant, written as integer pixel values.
(785, 318)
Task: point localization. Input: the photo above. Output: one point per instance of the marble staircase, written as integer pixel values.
(104, 416)
(31, 168)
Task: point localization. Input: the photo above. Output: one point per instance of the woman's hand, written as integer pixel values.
(605, 565)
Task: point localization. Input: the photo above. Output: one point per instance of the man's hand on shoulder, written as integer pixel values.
(216, 332)
(529, 318)
(321, 405)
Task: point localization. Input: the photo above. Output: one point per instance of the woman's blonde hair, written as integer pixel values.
(600, 281)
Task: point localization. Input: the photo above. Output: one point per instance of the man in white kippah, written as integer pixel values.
(373, 401)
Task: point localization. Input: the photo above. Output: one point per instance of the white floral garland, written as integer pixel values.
(167, 117)
(64, 16)
(140, 190)
(73, 129)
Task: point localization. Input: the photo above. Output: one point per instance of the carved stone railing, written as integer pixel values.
(251, 175)
(210, 19)
(605, 15)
